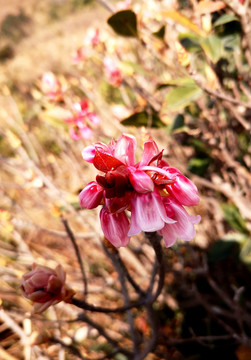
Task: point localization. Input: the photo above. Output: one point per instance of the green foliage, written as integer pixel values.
(234, 218)
(182, 96)
(124, 23)
(212, 45)
(143, 118)
(225, 19)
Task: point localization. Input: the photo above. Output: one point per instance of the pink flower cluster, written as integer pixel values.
(45, 287)
(152, 191)
(79, 122)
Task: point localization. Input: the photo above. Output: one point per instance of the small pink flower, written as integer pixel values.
(79, 55)
(112, 71)
(51, 87)
(80, 121)
(151, 190)
(92, 37)
(45, 287)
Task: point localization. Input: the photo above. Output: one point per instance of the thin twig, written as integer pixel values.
(76, 248)
(99, 309)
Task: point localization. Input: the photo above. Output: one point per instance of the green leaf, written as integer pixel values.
(212, 45)
(231, 42)
(160, 34)
(185, 81)
(234, 219)
(180, 97)
(143, 119)
(190, 41)
(224, 19)
(178, 122)
(124, 23)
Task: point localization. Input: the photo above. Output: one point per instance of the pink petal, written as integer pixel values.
(148, 213)
(184, 190)
(141, 182)
(184, 226)
(74, 134)
(94, 118)
(86, 132)
(91, 196)
(89, 153)
(115, 227)
(125, 149)
(150, 150)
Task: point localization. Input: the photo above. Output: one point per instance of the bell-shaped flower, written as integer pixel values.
(142, 188)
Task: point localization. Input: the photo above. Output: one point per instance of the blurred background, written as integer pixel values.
(176, 71)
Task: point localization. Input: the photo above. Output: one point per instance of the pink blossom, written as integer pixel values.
(45, 287)
(112, 71)
(79, 55)
(92, 37)
(51, 87)
(80, 121)
(151, 190)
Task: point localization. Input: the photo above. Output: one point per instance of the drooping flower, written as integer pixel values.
(45, 287)
(152, 191)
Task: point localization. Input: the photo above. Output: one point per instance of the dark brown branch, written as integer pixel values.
(76, 248)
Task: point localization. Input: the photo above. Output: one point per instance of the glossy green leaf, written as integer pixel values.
(143, 119)
(212, 46)
(124, 23)
(224, 19)
(180, 97)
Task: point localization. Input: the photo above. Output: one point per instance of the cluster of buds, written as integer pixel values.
(152, 191)
(45, 287)
(80, 120)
